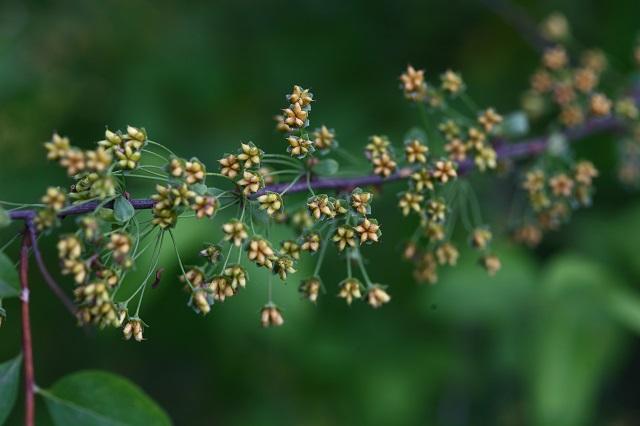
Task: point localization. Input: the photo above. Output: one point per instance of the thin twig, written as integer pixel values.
(53, 285)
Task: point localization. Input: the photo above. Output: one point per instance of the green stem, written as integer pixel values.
(283, 162)
(8, 243)
(469, 103)
(284, 172)
(432, 133)
(140, 176)
(144, 283)
(323, 250)
(475, 205)
(154, 260)
(313, 194)
(363, 270)
(293, 182)
(9, 203)
(226, 259)
(162, 157)
(144, 169)
(162, 146)
(218, 175)
(253, 231)
(184, 273)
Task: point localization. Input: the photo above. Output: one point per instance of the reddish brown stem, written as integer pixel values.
(27, 348)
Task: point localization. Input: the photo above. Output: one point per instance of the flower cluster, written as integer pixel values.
(293, 123)
(185, 189)
(553, 195)
(558, 85)
(96, 261)
(456, 138)
(434, 192)
(214, 281)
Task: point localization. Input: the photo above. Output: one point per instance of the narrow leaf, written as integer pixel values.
(97, 398)
(9, 377)
(122, 209)
(9, 284)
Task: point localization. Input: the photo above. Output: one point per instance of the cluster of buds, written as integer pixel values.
(271, 316)
(293, 123)
(480, 240)
(96, 273)
(553, 196)
(133, 329)
(185, 189)
(463, 139)
(381, 155)
(120, 246)
(95, 305)
(351, 226)
(90, 169)
(244, 168)
(54, 200)
(208, 284)
(126, 146)
(573, 89)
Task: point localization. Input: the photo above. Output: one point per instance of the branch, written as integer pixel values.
(27, 349)
(53, 285)
(504, 151)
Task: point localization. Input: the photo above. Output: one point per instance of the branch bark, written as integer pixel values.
(27, 348)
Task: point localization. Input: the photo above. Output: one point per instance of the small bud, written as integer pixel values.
(410, 250)
(491, 264)
(376, 296)
(310, 288)
(270, 316)
(350, 289)
(480, 238)
(135, 133)
(212, 252)
(133, 328)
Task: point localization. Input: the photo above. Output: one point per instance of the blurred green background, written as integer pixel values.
(552, 340)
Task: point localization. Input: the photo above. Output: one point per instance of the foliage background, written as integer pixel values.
(551, 340)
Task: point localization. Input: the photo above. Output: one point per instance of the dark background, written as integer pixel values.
(550, 340)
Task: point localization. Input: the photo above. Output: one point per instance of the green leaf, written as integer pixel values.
(215, 191)
(9, 284)
(122, 209)
(199, 188)
(5, 220)
(98, 398)
(9, 377)
(624, 305)
(568, 369)
(327, 167)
